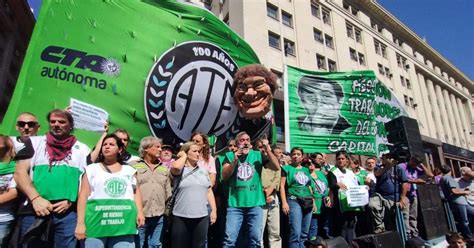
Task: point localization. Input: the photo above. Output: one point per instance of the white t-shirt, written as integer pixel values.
(7, 210)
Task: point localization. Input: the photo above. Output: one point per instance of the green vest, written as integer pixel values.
(245, 185)
(298, 181)
(361, 176)
(321, 190)
(349, 179)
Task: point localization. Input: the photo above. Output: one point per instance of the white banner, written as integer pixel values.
(87, 116)
(358, 196)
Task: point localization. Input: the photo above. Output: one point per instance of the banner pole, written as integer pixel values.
(286, 111)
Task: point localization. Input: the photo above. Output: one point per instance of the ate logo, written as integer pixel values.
(189, 89)
(115, 187)
(244, 171)
(301, 178)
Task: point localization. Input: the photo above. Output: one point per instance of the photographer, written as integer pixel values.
(390, 190)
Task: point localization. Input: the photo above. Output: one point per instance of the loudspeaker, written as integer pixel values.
(431, 215)
(381, 240)
(338, 242)
(404, 134)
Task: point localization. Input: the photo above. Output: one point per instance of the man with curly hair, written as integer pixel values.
(254, 86)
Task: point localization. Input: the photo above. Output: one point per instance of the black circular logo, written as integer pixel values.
(189, 89)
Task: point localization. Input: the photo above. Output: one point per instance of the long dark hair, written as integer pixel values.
(120, 145)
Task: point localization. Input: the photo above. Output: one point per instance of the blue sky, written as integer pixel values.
(448, 26)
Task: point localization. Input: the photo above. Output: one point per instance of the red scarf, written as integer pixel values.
(58, 150)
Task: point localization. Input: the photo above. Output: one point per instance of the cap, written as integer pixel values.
(166, 147)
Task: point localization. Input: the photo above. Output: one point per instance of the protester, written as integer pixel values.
(206, 160)
(243, 170)
(8, 192)
(325, 218)
(321, 196)
(416, 173)
(455, 240)
(57, 160)
(370, 164)
(27, 125)
(297, 199)
(190, 215)
(271, 210)
(124, 136)
(340, 179)
(109, 185)
(166, 156)
(155, 187)
(455, 196)
(465, 183)
(390, 192)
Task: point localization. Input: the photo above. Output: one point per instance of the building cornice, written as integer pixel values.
(418, 64)
(414, 40)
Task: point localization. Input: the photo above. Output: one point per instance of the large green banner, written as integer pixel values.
(331, 111)
(157, 67)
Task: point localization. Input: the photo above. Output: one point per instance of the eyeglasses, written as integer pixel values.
(31, 124)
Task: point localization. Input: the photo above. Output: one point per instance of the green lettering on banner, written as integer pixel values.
(110, 217)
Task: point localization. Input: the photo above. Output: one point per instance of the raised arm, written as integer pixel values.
(178, 165)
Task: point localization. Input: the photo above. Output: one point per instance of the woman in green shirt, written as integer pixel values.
(297, 198)
(321, 194)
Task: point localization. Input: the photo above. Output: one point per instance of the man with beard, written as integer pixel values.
(242, 169)
(50, 181)
(27, 125)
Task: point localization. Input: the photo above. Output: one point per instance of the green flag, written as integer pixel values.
(331, 111)
(158, 68)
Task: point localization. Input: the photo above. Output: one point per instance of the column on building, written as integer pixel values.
(435, 109)
(444, 116)
(457, 118)
(424, 106)
(452, 120)
(466, 123)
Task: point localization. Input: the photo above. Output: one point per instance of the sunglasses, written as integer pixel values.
(31, 124)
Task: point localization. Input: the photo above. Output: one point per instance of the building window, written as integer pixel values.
(272, 11)
(353, 54)
(388, 73)
(381, 71)
(402, 81)
(318, 35)
(315, 10)
(361, 59)
(350, 30)
(329, 41)
(407, 101)
(326, 16)
(355, 11)
(274, 40)
(289, 47)
(287, 19)
(226, 19)
(358, 35)
(408, 83)
(332, 65)
(402, 62)
(346, 6)
(412, 102)
(384, 50)
(321, 60)
(377, 47)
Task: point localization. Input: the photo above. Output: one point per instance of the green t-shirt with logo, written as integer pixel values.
(321, 190)
(245, 185)
(298, 181)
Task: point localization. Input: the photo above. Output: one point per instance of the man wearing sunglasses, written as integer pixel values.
(27, 125)
(49, 178)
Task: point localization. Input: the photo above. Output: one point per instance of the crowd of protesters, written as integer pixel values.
(56, 192)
